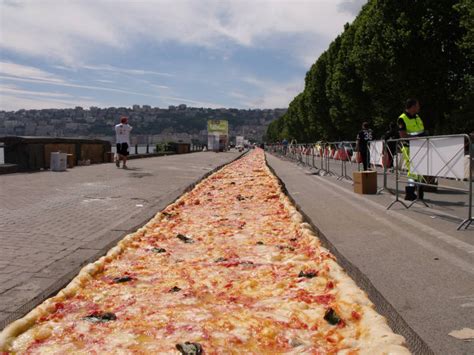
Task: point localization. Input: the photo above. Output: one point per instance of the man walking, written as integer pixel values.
(122, 138)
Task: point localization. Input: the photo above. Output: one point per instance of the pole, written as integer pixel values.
(470, 181)
(342, 166)
(327, 161)
(385, 149)
(396, 187)
(467, 222)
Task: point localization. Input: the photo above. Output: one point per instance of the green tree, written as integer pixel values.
(392, 51)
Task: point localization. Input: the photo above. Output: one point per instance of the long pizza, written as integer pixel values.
(229, 268)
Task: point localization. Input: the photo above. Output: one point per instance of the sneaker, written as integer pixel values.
(124, 167)
(410, 197)
(117, 163)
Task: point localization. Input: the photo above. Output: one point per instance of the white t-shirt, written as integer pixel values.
(122, 133)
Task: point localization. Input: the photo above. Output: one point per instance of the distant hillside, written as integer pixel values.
(151, 124)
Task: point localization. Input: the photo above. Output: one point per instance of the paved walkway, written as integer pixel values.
(53, 223)
(418, 269)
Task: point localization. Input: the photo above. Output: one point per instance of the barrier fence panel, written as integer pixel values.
(377, 160)
(348, 157)
(435, 162)
(330, 154)
(331, 158)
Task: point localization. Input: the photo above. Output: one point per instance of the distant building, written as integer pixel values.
(170, 124)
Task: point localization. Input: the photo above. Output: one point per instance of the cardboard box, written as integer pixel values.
(365, 182)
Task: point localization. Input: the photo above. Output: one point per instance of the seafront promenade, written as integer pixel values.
(419, 271)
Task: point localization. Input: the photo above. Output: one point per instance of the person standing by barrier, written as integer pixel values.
(122, 139)
(284, 143)
(362, 144)
(410, 125)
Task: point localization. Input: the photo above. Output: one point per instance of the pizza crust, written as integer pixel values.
(48, 306)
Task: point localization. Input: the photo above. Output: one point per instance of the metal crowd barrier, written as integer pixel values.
(431, 154)
(433, 162)
(327, 158)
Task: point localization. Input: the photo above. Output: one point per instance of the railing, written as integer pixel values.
(327, 158)
(437, 162)
(151, 148)
(421, 160)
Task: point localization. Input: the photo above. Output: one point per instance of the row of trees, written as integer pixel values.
(394, 49)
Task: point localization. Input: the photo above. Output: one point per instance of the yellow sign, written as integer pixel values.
(218, 126)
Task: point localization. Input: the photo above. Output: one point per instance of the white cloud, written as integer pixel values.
(71, 85)
(16, 102)
(9, 89)
(272, 94)
(197, 103)
(73, 34)
(6, 103)
(105, 81)
(160, 86)
(111, 68)
(238, 95)
(351, 6)
(13, 98)
(23, 71)
(69, 31)
(56, 29)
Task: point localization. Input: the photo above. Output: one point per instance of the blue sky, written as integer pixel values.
(203, 53)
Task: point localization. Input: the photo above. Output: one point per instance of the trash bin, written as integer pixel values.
(58, 161)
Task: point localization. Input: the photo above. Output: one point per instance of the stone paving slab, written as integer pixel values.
(418, 270)
(52, 223)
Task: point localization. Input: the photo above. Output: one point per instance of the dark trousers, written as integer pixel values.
(365, 156)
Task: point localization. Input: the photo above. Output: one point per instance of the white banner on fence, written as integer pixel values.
(438, 157)
(376, 152)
